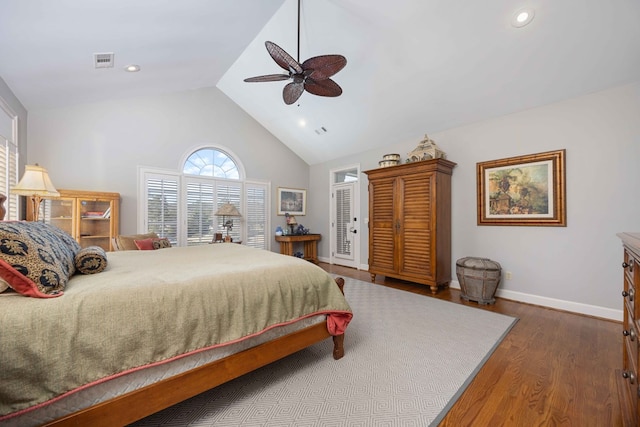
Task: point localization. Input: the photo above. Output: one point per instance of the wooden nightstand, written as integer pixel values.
(310, 245)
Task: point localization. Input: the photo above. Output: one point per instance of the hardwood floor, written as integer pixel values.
(554, 368)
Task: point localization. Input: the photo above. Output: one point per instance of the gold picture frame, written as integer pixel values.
(292, 201)
(523, 190)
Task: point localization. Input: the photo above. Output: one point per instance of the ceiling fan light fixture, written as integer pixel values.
(313, 75)
(522, 17)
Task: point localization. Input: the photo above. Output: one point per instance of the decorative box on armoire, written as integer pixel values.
(90, 217)
(627, 378)
(410, 222)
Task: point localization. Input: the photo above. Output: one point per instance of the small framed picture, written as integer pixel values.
(292, 201)
(523, 190)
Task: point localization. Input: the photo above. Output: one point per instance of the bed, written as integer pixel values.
(155, 327)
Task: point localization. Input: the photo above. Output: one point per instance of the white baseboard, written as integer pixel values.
(570, 306)
(573, 307)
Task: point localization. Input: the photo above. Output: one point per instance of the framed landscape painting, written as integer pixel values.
(523, 190)
(292, 201)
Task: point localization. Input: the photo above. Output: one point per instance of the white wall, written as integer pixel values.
(7, 95)
(99, 146)
(575, 267)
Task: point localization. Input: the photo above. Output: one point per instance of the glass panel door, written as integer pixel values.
(344, 211)
(95, 223)
(344, 227)
(59, 212)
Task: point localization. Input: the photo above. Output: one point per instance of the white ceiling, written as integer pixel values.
(414, 66)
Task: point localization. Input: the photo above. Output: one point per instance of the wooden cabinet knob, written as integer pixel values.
(631, 334)
(630, 376)
(628, 265)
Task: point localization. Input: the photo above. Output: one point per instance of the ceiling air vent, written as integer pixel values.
(103, 60)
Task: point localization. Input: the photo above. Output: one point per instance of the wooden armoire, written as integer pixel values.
(410, 222)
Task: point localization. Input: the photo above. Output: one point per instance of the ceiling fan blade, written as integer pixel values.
(282, 58)
(324, 66)
(326, 87)
(268, 78)
(292, 92)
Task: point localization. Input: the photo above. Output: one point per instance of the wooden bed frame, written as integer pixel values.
(135, 405)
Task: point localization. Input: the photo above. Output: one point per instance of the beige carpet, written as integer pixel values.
(408, 358)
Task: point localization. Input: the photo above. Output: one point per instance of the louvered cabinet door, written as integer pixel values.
(414, 257)
(381, 226)
(410, 222)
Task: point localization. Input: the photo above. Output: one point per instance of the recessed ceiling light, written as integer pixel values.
(522, 17)
(302, 123)
(133, 68)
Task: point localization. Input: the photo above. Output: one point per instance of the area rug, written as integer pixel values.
(408, 359)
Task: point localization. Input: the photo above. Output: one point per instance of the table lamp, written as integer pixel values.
(291, 222)
(35, 183)
(226, 210)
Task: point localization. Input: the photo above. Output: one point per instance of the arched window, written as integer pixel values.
(183, 205)
(211, 162)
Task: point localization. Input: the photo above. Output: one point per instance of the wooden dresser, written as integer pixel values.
(410, 222)
(628, 378)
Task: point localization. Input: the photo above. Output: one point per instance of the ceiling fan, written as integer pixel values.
(313, 75)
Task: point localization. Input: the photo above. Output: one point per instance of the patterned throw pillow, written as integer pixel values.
(161, 243)
(36, 259)
(152, 243)
(91, 260)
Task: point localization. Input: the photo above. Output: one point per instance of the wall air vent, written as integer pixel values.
(103, 60)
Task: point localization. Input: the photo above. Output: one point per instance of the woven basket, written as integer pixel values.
(479, 279)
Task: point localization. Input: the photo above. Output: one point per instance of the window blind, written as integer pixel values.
(8, 162)
(227, 192)
(200, 212)
(182, 208)
(343, 221)
(162, 207)
(256, 215)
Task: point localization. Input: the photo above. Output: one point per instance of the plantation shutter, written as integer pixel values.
(8, 164)
(227, 192)
(162, 206)
(343, 221)
(200, 211)
(183, 208)
(256, 216)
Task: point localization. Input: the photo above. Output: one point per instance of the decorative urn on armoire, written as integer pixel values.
(426, 150)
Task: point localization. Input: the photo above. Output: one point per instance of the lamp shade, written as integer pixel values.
(228, 210)
(35, 182)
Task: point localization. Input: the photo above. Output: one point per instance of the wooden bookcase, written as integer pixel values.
(91, 217)
(410, 222)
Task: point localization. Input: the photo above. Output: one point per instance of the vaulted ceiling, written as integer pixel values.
(414, 66)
